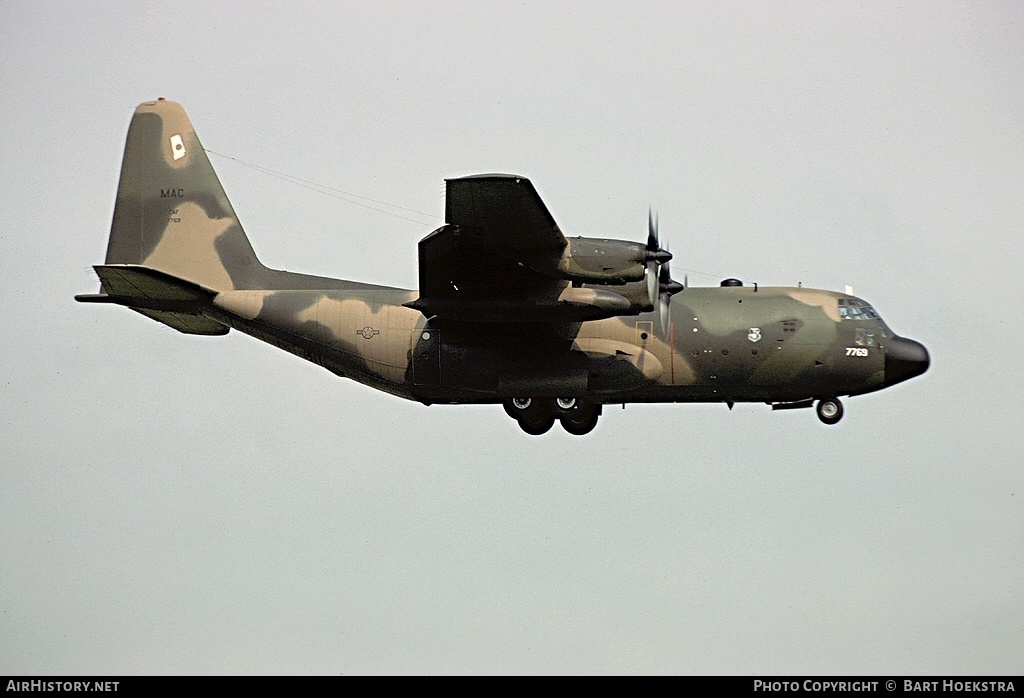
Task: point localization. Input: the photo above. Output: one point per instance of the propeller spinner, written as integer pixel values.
(656, 256)
(666, 289)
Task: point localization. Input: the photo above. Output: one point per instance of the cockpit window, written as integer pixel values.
(856, 309)
(864, 338)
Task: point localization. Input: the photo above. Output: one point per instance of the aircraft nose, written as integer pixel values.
(904, 358)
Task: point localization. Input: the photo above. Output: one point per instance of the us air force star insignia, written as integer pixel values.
(177, 147)
(368, 332)
(755, 334)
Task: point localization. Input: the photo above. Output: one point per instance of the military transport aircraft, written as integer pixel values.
(509, 310)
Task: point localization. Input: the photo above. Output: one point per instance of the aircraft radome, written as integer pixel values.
(509, 310)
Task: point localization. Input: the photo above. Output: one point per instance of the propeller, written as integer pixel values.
(666, 289)
(655, 257)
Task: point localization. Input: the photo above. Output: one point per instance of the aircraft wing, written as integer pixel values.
(509, 208)
(497, 259)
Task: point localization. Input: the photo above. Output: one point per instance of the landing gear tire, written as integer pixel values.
(580, 427)
(830, 410)
(517, 406)
(535, 416)
(579, 417)
(537, 427)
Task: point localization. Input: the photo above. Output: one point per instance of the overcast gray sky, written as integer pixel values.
(179, 504)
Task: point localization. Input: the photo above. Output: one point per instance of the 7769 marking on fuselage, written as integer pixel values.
(856, 351)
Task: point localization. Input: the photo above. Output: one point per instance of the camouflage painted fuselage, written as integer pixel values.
(721, 344)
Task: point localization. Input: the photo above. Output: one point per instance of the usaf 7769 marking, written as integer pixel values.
(509, 310)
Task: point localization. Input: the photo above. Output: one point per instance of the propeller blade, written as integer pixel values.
(654, 251)
(657, 278)
(667, 288)
(652, 282)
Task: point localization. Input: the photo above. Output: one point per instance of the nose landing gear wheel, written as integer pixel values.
(830, 410)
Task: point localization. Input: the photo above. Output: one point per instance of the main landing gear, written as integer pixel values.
(538, 415)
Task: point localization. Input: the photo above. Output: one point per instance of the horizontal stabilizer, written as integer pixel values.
(93, 298)
(143, 287)
(163, 297)
(187, 324)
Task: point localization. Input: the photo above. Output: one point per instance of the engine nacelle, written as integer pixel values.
(597, 261)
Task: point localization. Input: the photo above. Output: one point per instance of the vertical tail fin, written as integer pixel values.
(172, 213)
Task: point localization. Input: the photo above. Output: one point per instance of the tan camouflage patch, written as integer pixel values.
(246, 304)
(187, 247)
(644, 361)
(825, 300)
